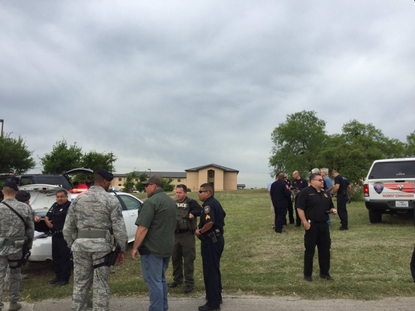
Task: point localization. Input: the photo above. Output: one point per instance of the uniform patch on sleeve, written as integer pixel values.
(207, 209)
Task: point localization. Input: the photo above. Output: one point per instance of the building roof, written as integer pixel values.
(157, 173)
(224, 168)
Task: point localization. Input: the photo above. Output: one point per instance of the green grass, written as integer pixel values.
(367, 262)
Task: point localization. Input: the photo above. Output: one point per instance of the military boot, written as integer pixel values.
(14, 306)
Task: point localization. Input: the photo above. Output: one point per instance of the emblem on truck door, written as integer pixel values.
(378, 186)
(400, 187)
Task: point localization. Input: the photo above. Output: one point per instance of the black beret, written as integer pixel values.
(11, 185)
(104, 173)
(22, 196)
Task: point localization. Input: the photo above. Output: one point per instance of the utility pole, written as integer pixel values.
(2, 123)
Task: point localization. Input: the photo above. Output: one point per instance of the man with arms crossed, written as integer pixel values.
(154, 240)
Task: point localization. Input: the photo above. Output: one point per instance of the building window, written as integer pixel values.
(119, 179)
(119, 185)
(179, 180)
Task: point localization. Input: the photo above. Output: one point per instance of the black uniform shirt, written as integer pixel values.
(280, 194)
(344, 183)
(314, 204)
(57, 214)
(300, 184)
(212, 211)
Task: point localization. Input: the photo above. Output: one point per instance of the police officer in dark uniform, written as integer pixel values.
(343, 189)
(210, 232)
(55, 220)
(290, 202)
(184, 251)
(298, 184)
(313, 206)
(280, 196)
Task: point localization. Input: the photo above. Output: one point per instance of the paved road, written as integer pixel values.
(244, 303)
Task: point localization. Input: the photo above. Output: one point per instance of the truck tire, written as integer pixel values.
(375, 216)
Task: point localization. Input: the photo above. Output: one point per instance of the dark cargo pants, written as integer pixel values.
(183, 257)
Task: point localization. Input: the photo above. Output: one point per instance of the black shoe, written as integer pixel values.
(308, 278)
(188, 289)
(326, 277)
(61, 283)
(342, 228)
(173, 285)
(207, 308)
(53, 281)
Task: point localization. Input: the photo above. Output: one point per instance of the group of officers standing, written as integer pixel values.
(89, 235)
(313, 207)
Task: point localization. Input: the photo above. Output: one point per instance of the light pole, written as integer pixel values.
(150, 172)
(2, 123)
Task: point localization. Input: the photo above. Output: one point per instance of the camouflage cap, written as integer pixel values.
(154, 180)
(11, 185)
(105, 174)
(22, 196)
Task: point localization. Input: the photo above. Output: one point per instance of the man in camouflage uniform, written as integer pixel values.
(13, 233)
(90, 220)
(184, 251)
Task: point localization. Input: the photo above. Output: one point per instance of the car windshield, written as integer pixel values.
(393, 170)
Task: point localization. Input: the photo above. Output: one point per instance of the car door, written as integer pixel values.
(131, 207)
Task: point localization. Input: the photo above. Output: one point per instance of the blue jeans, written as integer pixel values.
(154, 269)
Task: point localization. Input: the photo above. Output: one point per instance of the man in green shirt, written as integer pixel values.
(154, 240)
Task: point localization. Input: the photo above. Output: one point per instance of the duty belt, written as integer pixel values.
(9, 241)
(184, 231)
(92, 233)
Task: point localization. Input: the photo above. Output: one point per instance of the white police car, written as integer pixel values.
(44, 196)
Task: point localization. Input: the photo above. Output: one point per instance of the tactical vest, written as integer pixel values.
(183, 221)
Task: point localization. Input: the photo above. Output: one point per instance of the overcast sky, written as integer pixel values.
(170, 85)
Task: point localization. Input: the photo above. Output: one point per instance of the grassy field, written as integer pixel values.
(367, 262)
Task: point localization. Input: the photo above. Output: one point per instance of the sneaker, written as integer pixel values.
(53, 281)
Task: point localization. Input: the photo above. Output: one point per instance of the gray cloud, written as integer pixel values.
(170, 86)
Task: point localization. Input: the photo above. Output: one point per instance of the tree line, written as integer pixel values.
(15, 157)
(301, 143)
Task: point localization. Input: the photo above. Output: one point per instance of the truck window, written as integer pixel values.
(393, 170)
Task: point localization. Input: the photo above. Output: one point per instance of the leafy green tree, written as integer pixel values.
(139, 186)
(95, 160)
(129, 181)
(14, 155)
(62, 158)
(297, 142)
(410, 145)
(353, 152)
(167, 184)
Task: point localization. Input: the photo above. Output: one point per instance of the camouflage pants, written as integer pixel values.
(86, 276)
(15, 278)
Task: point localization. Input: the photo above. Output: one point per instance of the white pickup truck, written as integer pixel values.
(389, 188)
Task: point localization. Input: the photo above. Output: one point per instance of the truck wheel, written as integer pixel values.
(375, 216)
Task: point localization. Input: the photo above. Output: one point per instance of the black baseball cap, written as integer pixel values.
(105, 174)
